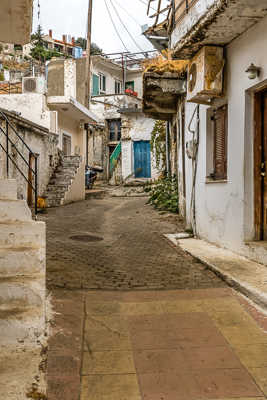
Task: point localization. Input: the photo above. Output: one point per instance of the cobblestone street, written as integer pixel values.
(138, 319)
(120, 246)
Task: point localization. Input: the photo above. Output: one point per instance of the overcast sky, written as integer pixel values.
(70, 17)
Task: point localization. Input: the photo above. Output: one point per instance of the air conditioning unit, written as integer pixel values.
(205, 75)
(33, 85)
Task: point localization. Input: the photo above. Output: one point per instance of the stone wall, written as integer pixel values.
(40, 141)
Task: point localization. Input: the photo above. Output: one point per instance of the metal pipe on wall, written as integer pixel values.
(167, 141)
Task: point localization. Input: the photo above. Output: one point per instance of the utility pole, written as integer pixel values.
(88, 55)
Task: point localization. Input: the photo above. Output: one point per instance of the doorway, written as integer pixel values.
(260, 160)
(66, 145)
(142, 159)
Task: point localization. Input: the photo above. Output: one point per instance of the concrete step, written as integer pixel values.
(22, 234)
(70, 164)
(65, 169)
(59, 181)
(17, 326)
(72, 158)
(95, 194)
(61, 175)
(21, 261)
(16, 295)
(14, 210)
(8, 189)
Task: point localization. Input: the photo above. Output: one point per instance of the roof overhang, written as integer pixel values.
(72, 107)
(16, 21)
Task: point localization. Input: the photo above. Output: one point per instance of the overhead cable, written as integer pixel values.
(125, 27)
(114, 26)
(129, 15)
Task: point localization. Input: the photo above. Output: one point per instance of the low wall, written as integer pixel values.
(76, 191)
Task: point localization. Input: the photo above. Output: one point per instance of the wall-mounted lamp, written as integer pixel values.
(253, 71)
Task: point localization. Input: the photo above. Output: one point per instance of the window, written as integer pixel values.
(118, 87)
(102, 83)
(129, 85)
(95, 86)
(217, 144)
(114, 128)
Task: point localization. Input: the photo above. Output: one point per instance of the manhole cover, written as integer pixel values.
(86, 238)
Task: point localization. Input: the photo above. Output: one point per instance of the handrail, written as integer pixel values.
(32, 155)
(114, 157)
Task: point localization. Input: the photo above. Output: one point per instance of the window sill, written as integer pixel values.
(210, 180)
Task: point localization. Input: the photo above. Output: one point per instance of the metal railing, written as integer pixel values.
(9, 148)
(182, 9)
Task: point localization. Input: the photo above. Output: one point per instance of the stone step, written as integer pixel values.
(55, 188)
(54, 203)
(17, 326)
(55, 195)
(65, 169)
(95, 194)
(71, 158)
(22, 295)
(61, 175)
(69, 164)
(58, 181)
(21, 261)
(14, 210)
(8, 189)
(22, 234)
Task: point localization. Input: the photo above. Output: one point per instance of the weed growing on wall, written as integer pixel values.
(163, 194)
(158, 144)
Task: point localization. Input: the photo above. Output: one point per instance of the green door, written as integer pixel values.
(95, 91)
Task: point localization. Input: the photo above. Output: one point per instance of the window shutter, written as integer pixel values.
(95, 85)
(220, 143)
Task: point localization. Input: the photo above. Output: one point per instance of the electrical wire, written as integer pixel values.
(125, 27)
(129, 15)
(114, 26)
(152, 8)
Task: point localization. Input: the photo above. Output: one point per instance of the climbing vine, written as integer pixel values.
(163, 194)
(158, 144)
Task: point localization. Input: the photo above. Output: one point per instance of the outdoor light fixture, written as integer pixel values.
(253, 71)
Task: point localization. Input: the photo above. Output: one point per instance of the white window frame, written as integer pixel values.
(118, 84)
(101, 83)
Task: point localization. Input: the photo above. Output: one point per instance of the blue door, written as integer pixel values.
(142, 161)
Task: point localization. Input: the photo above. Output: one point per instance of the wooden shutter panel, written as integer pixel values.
(220, 143)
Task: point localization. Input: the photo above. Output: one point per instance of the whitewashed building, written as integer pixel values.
(116, 98)
(220, 123)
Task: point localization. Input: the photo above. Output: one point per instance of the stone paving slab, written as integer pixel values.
(243, 274)
(173, 345)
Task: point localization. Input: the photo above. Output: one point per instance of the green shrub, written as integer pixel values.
(163, 194)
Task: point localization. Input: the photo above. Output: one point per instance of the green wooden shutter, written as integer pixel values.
(95, 91)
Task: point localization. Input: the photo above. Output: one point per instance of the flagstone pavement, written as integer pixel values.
(160, 345)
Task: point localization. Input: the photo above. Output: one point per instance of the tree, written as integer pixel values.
(39, 51)
(95, 49)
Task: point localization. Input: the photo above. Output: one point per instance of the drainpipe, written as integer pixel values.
(167, 148)
(87, 142)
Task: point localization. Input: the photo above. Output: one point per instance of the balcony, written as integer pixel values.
(212, 22)
(16, 21)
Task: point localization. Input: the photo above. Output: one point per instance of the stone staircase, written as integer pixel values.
(61, 180)
(22, 294)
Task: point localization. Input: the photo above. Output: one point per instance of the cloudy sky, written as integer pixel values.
(70, 17)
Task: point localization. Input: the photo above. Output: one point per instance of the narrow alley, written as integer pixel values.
(137, 319)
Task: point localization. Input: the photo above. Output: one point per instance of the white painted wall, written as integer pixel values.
(224, 211)
(31, 106)
(140, 129)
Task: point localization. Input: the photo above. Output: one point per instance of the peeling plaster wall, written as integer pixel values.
(135, 128)
(16, 21)
(31, 106)
(224, 211)
(41, 142)
(70, 127)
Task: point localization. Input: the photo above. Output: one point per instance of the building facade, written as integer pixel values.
(116, 98)
(220, 121)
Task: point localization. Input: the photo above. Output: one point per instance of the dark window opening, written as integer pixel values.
(114, 128)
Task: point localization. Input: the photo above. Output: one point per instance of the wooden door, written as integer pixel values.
(142, 159)
(260, 165)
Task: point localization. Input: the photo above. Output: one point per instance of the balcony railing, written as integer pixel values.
(182, 8)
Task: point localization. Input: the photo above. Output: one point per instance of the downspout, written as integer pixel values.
(195, 142)
(167, 148)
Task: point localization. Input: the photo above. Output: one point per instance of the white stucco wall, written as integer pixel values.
(31, 106)
(224, 211)
(139, 128)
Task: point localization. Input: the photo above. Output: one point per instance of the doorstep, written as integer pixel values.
(248, 277)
